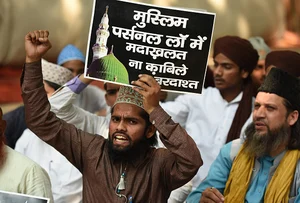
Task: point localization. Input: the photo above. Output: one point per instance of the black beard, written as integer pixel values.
(258, 145)
(128, 153)
(2, 151)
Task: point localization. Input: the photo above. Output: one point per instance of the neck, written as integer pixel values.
(280, 149)
(230, 94)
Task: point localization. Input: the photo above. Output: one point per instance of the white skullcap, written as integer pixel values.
(55, 73)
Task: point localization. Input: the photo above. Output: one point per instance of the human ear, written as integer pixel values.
(150, 131)
(293, 117)
(244, 74)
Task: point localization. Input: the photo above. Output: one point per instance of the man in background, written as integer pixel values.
(91, 98)
(265, 167)
(286, 60)
(217, 116)
(20, 174)
(259, 73)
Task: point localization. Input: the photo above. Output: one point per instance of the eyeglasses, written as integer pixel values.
(112, 92)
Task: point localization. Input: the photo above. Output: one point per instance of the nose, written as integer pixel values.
(259, 113)
(121, 126)
(218, 70)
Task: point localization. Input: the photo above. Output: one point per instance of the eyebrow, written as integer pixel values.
(126, 117)
(266, 104)
(223, 63)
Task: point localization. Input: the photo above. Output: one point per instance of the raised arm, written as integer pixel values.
(67, 139)
(182, 159)
(62, 105)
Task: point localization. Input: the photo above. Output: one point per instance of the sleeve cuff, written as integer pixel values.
(76, 85)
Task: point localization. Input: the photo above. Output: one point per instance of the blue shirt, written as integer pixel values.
(259, 184)
(219, 173)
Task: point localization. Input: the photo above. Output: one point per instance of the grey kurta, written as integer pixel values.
(150, 177)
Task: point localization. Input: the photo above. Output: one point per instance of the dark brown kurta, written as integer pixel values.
(149, 178)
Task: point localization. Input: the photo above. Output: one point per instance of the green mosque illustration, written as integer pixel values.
(106, 66)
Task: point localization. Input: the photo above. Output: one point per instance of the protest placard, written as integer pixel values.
(171, 44)
(11, 197)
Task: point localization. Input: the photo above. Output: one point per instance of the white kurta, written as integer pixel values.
(91, 99)
(66, 180)
(207, 118)
(62, 105)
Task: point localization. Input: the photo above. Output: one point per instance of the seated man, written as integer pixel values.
(265, 168)
(288, 61)
(125, 166)
(217, 116)
(20, 174)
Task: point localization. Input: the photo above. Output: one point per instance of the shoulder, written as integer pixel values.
(25, 139)
(20, 111)
(23, 169)
(23, 175)
(15, 159)
(28, 134)
(235, 147)
(230, 150)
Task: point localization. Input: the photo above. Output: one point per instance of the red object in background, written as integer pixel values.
(10, 90)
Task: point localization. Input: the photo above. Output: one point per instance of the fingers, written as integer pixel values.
(211, 195)
(30, 37)
(146, 82)
(217, 193)
(36, 45)
(147, 86)
(38, 36)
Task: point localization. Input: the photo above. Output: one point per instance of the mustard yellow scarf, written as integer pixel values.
(277, 190)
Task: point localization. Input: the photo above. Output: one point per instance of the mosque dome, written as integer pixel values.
(109, 68)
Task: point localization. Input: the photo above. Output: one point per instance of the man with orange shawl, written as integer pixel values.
(266, 167)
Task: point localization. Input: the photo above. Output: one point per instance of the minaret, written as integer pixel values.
(102, 33)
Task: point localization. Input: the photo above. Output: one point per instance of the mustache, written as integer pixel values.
(260, 120)
(218, 78)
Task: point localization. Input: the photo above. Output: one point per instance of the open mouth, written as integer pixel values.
(120, 139)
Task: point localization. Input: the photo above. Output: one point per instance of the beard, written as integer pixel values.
(258, 145)
(134, 149)
(2, 151)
